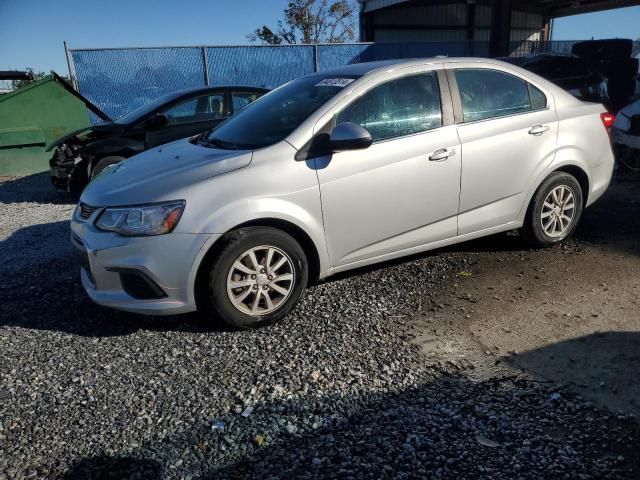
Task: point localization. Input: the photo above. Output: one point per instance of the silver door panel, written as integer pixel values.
(499, 160)
(390, 196)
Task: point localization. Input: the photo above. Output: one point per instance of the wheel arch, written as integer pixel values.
(580, 175)
(578, 171)
(93, 163)
(303, 238)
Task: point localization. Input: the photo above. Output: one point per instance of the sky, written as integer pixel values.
(619, 22)
(32, 31)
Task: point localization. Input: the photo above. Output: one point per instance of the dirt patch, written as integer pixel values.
(570, 314)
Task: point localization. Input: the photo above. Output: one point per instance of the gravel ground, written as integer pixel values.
(338, 390)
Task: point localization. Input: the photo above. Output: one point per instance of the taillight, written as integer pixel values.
(607, 119)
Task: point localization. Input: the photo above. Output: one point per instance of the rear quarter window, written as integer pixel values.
(538, 99)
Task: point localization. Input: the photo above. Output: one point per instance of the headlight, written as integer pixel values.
(141, 220)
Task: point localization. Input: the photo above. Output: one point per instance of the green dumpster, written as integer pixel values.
(34, 116)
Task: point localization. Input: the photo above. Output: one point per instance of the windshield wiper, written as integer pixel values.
(217, 143)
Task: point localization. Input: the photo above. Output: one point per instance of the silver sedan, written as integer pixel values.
(334, 171)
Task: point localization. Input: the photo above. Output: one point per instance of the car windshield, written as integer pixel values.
(275, 115)
(135, 115)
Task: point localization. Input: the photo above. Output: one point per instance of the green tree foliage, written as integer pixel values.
(15, 84)
(311, 21)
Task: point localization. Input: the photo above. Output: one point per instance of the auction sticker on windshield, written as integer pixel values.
(335, 82)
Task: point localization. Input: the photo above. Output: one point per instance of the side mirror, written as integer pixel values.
(157, 121)
(349, 136)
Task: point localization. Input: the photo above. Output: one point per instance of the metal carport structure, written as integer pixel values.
(499, 22)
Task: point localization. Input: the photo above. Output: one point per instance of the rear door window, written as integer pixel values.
(239, 100)
(489, 94)
(198, 109)
(400, 107)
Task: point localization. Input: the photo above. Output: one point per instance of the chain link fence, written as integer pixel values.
(119, 80)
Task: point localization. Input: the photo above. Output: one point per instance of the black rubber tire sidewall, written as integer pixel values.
(231, 247)
(104, 163)
(532, 230)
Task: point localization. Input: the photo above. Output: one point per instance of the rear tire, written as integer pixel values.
(104, 163)
(554, 211)
(256, 277)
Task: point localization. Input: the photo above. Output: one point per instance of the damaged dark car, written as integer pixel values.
(569, 73)
(85, 153)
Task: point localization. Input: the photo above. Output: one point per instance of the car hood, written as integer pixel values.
(156, 174)
(106, 128)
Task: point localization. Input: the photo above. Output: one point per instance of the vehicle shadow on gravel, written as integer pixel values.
(36, 263)
(500, 428)
(603, 367)
(69, 310)
(36, 188)
(613, 222)
(501, 242)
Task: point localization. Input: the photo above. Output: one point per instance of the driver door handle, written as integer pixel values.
(538, 129)
(442, 154)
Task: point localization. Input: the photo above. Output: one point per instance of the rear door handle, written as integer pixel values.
(538, 129)
(442, 154)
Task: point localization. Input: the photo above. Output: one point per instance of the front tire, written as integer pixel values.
(104, 163)
(554, 212)
(257, 276)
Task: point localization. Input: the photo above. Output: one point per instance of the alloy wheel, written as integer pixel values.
(260, 280)
(558, 211)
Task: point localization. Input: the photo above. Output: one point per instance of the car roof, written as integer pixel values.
(190, 91)
(132, 118)
(365, 68)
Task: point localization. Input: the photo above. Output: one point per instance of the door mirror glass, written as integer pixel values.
(157, 121)
(349, 136)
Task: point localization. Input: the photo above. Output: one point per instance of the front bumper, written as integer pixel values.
(60, 178)
(166, 262)
(67, 169)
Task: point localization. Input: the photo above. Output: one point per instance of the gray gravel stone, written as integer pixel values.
(337, 390)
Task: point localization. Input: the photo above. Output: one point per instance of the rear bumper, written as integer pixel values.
(164, 266)
(600, 178)
(618, 137)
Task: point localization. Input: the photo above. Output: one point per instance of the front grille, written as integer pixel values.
(85, 211)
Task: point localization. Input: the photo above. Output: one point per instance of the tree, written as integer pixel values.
(15, 84)
(311, 21)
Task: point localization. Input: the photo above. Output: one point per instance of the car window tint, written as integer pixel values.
(399, 107)
(538, 99)
(489, 93)
(239, 100)
(198, 109)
